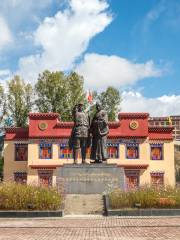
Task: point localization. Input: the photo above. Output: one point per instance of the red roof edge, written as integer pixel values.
(160, 129)
(65, 124)
(17, 129)
(16, 133)
(49, 115)
(130, 115)
(114, 124)
(45, 166)
(137, 166)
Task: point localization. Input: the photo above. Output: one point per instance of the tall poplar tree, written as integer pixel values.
(110, 100)
(19, 100)
(56, 92)
(2, 103)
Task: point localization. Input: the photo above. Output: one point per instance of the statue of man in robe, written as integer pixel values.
(99, 130)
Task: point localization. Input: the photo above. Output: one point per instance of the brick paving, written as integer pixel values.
(91, 228)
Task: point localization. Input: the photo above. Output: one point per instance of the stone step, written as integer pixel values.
(82, 204)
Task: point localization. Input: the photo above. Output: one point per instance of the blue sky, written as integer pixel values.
(131, 45)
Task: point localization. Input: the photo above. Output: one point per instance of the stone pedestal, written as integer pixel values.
(90, 179)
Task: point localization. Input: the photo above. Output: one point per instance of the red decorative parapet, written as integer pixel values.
(130, 125)
(17, 133)
(49, 115)
(137, 115)
(160, 133)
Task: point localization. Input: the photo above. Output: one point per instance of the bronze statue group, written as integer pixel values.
(89, 133)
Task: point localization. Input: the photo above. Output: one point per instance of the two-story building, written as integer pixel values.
(146, 153)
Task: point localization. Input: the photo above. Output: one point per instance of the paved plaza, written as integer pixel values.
(92, 227)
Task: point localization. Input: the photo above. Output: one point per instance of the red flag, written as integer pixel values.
(90, 98)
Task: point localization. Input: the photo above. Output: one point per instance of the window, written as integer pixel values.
(45, 151)
(177, 148)
(20, 177)
(132, 151)
(65, 152)
(21, 152)
(156, 151)
(157, 179)
(45, 177)
(132, 178)
(113, 151)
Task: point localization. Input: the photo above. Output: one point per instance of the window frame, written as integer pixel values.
(24, 174)
(44, 145)
(133, 145)
(162, 151)
(132, 173)
(59, 151)
(157, 175)
(118, 151)
(15, 154)
(45, 173)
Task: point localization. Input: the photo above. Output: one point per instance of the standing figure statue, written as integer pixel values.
(99, 130)
(80, 132)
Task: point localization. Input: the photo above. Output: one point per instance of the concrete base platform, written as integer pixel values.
(90, 179)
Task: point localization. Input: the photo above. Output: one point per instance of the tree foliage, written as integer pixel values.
(57, 92)
(2, 103)
(110, 100)
(54, 92)
(19, 100)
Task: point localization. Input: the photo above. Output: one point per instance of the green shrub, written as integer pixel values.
(15, 196)
(148, 197)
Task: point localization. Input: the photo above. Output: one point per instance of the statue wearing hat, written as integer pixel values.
(80, 132)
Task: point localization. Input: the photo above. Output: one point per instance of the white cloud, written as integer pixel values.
(5, 34)
(23, 8)
(161, 106)
(65, 37)
(101, 71)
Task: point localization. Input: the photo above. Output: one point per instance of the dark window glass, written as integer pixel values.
(132, 152)
(20, 177)
(156, 152)
(45, 151)
(21, 152)
(45, 178)
(113, 151)
(157, 180)
(65, 152)
(132, 178)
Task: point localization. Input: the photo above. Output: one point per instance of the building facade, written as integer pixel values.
(32, 155)
(173, 121)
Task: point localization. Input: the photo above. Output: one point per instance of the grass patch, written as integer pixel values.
(147, 197)
(15, 196)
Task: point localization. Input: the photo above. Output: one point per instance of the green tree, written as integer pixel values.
(51, 91)
(59, 93)
(19, 100)
(2, 103)
(76, 94)
(110, 100)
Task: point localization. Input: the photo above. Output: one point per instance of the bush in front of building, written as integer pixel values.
(14, 196)
(145, 197)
